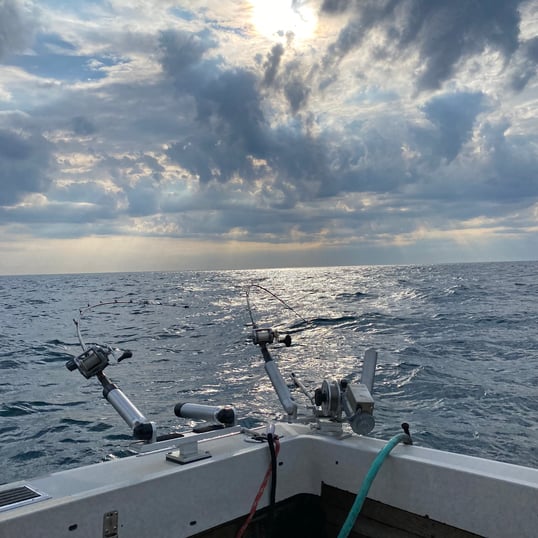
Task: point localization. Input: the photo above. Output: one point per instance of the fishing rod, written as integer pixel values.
(269, 292)
(338, 401)
(92, 362)
(96, 357)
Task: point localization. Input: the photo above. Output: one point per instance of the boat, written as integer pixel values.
(317, 474)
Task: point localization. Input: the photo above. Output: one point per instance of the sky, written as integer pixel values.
(142, 135)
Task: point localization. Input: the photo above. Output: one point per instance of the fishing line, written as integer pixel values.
(90, 307)
(275, 296)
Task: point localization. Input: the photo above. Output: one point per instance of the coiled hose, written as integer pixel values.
(369, 478)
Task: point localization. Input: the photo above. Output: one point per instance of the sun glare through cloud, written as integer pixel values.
(276, 19)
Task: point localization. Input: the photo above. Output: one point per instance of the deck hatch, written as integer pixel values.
(15, 497)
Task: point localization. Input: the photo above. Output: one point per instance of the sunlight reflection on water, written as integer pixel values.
(457, 353)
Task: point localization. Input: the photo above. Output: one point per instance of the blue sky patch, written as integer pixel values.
(64, 67)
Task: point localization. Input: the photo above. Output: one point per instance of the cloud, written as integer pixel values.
(25, 165)
(82, 126)
(291, 79)
(444, 35)
(233, 134)
(17, 25)
(335, 6)
(508, 170)
(398, 117)
(272, 63)
(184, 57)
(453, 117)
(525, 65)
(230, 126)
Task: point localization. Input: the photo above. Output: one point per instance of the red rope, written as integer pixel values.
(263, 485)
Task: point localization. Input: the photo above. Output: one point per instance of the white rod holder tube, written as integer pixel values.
(368, 369)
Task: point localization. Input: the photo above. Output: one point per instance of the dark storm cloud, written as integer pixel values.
(228, 115)
(229, 129)
(233, 103)
(443, 33)
(296, 82)
(288, 78)
(349, 38)
(231, 135)
(453, 116)
(451, 32)
(296, 93)
(25, 163)
(183, 58)
(367, 15)
(271, 64)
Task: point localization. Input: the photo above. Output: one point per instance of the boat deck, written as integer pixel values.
(378, 520)
(323, 517)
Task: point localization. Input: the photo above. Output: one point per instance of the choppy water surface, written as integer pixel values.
(458, 353)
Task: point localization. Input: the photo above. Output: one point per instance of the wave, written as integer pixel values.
(446, 336)
(352, 296)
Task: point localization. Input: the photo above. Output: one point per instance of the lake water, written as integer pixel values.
(457, 344)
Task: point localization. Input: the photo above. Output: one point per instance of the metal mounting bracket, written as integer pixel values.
(187, 450)
(110, 524)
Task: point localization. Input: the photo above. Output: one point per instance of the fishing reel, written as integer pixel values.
(91, 362)
(338, 401)
(335, 398)
(269, 336)
(94, 360)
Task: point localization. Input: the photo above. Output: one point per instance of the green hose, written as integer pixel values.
(367, 482)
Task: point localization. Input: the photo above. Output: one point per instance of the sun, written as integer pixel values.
(274, 19)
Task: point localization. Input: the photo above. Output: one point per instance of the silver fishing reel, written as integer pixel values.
(267, 335)
(336, 398)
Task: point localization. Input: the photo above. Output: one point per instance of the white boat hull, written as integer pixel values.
(154, 497)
